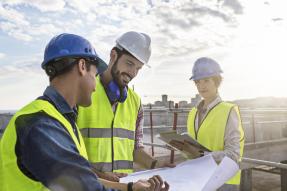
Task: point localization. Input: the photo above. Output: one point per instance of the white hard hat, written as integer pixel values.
(137, 44)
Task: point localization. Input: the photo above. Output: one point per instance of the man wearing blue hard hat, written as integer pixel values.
(214, 123)
(42, 148)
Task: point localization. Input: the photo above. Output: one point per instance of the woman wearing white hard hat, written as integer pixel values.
(214, 123)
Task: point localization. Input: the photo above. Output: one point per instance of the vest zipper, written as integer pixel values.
(195, 132)
(112, 139)
(113, 152)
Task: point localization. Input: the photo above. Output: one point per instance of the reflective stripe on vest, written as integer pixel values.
(109, 137)
(12, 176)
(118, 165)
(211, 131)
(106, 133)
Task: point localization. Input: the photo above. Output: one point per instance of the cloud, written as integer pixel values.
(20, 35)
(13, 22)
(171, 20)
(277, 19)
(15, 31)
(42, 5)
(26, 27)
(44, 29)
(177, 28)
(22, 66)
(235, 5)
(2, 55)
(7, 13)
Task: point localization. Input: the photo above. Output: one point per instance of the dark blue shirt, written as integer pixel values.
(47, 153)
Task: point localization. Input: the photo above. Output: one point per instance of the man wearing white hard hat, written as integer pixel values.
(214, 123)
(114, 121)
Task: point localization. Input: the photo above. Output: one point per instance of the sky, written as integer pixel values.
(247, 38)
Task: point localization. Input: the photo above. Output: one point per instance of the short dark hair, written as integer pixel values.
(65, 65)
(122, 52)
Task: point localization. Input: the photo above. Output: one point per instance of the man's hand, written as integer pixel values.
(157, 183)
(153, 184)
(187, 147)
(111, 176)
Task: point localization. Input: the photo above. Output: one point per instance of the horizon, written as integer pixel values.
(175, 101)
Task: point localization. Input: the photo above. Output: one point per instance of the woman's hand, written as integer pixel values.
(187, 147)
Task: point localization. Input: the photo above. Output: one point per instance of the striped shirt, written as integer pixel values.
(139, 127)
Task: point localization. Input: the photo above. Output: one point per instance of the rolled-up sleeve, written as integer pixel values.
(139, 129)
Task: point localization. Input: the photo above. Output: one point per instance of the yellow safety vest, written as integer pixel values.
(12, 178)
(109, 137)
(212, 129)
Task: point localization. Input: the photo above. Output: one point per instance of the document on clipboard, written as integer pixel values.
(173, 135)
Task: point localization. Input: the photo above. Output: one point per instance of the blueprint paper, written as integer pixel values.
(191, 175)
(225, 170)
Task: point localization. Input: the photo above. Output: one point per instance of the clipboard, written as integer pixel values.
(173, 135)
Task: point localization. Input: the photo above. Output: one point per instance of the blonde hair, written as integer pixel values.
(217, 80)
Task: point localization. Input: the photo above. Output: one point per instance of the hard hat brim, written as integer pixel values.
(205, 76)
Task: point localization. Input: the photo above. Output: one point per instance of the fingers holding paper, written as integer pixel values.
(187, 147)
(154, 183)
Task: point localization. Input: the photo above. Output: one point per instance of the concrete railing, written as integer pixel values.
(247, 165)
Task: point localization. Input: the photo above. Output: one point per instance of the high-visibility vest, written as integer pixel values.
(109, 137)
(12, 178)
(211, 131)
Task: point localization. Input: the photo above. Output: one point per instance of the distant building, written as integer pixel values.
(158, 104)
(164, 99)
(182, 104)
(171, 104)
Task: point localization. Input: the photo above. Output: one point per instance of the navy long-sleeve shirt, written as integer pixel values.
(46, 152)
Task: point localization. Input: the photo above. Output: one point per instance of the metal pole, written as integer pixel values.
(263, 162)
(283, 177)
(253, 128)
(246, 180)
(174, 128)
(151, 130)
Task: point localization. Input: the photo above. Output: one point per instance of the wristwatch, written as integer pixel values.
(130, 186)
(201, 153)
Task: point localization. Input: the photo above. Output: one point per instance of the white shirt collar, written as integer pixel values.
(211, 105)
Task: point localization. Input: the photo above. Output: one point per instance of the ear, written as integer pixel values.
(113, 56)
(82, 68)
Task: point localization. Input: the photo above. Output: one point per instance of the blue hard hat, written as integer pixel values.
(70, 45)
(205, 67)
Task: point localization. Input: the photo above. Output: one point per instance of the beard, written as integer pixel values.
(116, 74)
